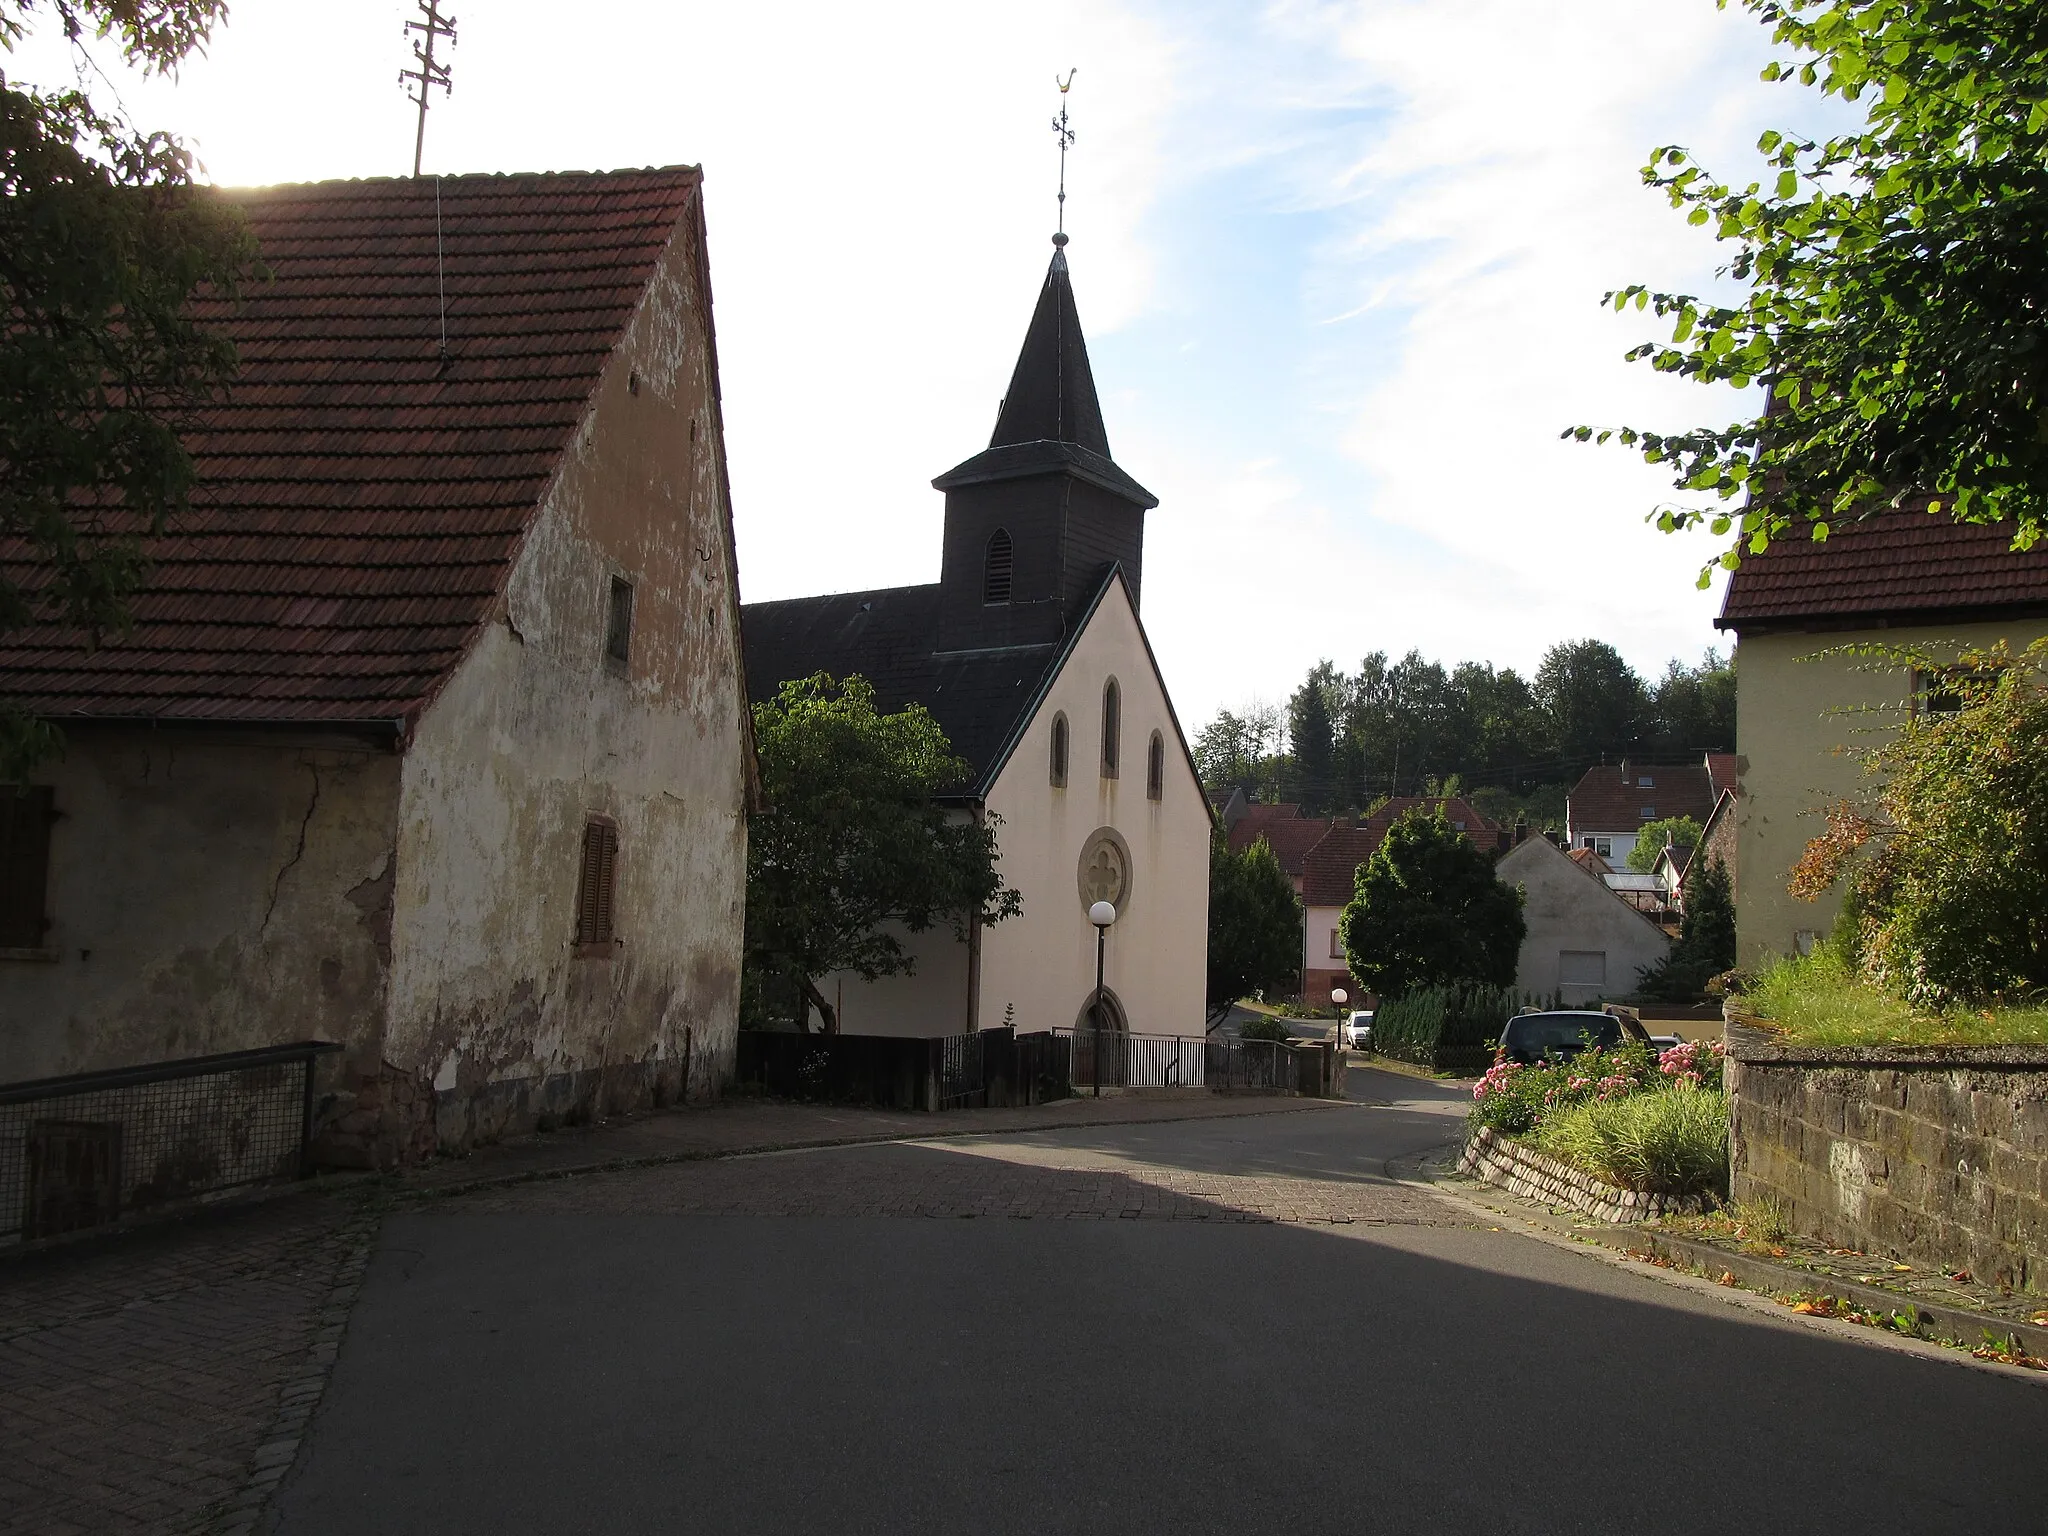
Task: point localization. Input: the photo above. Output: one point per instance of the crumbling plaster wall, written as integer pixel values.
(260, 914)
(536, 731)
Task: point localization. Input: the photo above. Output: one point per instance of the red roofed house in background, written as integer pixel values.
(1612, 802)
(430, 737)
(1901, 579)
(1330, 879)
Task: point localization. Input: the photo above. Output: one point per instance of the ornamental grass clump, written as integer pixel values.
(1670, 1142)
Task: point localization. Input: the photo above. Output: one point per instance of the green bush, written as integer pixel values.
(1948, 860)
(1445, 1027)
(1671, 1142)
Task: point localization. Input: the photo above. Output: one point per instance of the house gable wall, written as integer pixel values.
(1568, 910)
(537, 731)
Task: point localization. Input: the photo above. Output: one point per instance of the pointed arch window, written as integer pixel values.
(1155, 768)
(998, 567)
(1112, 726)
(1059, 752)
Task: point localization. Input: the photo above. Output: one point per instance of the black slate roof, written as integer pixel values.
(889, 637)
(1050, 418)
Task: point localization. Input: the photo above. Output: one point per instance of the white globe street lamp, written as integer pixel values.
(1339, 997)
(1101, 914)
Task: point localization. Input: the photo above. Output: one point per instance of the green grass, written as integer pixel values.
(1673, 1142)
(1819, 1000)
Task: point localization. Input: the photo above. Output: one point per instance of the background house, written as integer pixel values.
(430, 737)
(1806, 711)
(1610, 804)
(1330, 880)
(1583, 942)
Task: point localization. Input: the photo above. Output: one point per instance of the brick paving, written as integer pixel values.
(140, 1373)
(157, 1380)
(1020, 1180)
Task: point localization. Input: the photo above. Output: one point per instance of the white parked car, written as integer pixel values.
(1358, 1029)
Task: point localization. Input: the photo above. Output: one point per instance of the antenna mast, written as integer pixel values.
(426, 73)
(1066, 137)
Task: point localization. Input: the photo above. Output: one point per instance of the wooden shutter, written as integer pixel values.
(594, 890)
(25, 816)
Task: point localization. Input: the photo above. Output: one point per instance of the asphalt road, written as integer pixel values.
(836, 1351)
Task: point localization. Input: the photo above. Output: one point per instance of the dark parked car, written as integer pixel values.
(1534, 1037)
(1560, 1032)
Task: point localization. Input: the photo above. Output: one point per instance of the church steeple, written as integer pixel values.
(1052, 391)
(1045, 493)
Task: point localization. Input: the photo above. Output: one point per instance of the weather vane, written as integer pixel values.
(426, 72)
(1066, 137)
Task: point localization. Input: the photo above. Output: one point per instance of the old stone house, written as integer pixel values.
(1810, 699)
(1030, 654)
(430, 735)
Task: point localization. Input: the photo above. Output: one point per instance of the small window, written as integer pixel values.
(1336, 944)
(594, 926)
(618, 626)
(1155, 768)
(1112, 725)
(998, 567)
(25, 816)
(1604, 846)
(1059, 751)
(1648, 813)
(1582, 968)
(1646, 782)
(1946, 691)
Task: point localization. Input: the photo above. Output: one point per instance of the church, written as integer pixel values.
(1030, 653)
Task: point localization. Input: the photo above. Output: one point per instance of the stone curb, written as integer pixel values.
(299, 1399)
(397, 1185)
(1955, 1324)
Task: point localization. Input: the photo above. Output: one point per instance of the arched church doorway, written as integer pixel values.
(1102, 1042)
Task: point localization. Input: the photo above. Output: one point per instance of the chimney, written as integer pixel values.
(1555, 840)
(1521, 831)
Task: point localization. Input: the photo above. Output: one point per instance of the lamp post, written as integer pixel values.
(1101, 914)
(1338, 998)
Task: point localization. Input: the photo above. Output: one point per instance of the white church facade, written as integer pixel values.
(1030, 652)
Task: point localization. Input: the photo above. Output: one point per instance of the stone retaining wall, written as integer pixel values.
(1521, 1170)
(1938, 1155)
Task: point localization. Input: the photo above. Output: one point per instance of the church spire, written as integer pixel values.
(1052, 391)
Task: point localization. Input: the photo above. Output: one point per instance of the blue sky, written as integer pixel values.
(1339, 263)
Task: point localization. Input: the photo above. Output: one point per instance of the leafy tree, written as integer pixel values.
(1947, 862)
(1593, 699)
(1706, 940)
(1681, 833)
(1894, 277)
(1311, 737)
(1693, 708)
(104, 240)
(853, 839)
(1429, 912)
(1254, 925)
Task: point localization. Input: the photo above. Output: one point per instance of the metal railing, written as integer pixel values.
(1115, 1058)
(81, 1150)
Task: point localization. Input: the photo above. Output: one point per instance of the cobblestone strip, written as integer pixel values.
(300, 1397)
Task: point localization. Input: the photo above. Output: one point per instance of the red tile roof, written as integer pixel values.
(359, 504)
(1721, 771)
(1330, 868)
(1613, 799)
(1591, 862)
(1896, 566)
(1290, 837)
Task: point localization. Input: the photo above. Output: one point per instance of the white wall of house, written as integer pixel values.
(1614, 847)
(1582, 942)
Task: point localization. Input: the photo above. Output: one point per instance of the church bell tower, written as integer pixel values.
(1035, 520)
